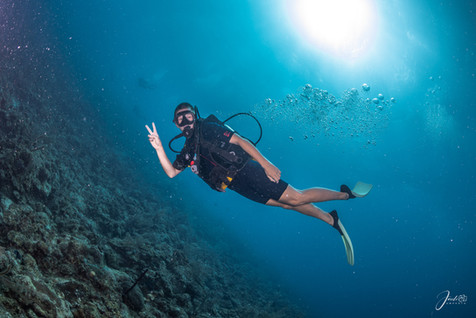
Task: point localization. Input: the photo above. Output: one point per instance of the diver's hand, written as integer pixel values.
(273, 173)
(154, 137)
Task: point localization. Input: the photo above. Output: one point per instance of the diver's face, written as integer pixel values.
(184, 118)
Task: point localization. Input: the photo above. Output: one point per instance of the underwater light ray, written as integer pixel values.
(342, 28)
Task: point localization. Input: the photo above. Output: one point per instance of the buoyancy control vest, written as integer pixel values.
(216, 162)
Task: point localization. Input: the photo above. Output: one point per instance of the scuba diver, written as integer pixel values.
(224, 159)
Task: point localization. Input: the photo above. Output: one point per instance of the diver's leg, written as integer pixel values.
(296, 197)
(307, 209)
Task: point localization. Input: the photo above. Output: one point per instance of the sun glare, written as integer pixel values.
(345, 28)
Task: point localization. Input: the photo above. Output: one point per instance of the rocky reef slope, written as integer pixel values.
(80, 236)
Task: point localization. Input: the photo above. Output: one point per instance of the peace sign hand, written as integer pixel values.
(154, 137)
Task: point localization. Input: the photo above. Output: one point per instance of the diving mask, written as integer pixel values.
(184, 118)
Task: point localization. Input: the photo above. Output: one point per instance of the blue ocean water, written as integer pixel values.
(413, 234)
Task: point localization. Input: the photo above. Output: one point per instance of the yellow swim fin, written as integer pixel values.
(349, 249)
(361, 189)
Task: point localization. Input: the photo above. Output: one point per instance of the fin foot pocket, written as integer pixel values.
(346, 189)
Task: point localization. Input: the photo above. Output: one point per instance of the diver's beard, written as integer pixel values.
(188, 132)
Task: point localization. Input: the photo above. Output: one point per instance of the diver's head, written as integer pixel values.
(184, 118)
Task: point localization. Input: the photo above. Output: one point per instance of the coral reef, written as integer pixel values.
(75, 239)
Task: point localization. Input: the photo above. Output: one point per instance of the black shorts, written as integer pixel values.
(253, 183)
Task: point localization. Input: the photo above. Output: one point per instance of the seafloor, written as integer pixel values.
(81, 234)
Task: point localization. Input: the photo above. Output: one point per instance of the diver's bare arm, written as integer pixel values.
(273, 173)
(166, 164)
(164, 160)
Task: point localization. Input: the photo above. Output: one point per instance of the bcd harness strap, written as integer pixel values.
(226, 163)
